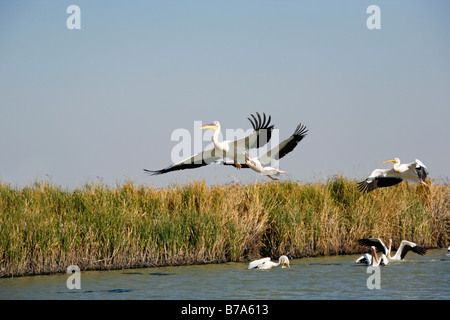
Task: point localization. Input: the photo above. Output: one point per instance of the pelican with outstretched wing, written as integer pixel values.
(261, 164)
(403, 249)
(380, 178)
(233, 149)
(265, 263)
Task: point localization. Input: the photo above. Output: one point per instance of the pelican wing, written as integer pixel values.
(379, 178)
(421, 170)
(256, 263)
(406, 246)
(261, 135)
(376, 242)
(284, 147)
(199, 160)
(365, 259)
(367, 186)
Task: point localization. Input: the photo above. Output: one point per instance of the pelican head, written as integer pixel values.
(284, 261)
(215, 125)
(395, 160)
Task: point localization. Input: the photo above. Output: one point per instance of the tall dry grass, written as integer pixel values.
(45, 228)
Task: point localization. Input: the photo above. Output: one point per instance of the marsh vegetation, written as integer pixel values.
(44, 228)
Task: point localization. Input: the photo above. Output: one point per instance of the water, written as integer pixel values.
(336, 277)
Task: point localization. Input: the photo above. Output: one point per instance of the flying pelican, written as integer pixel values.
(379, 178)
(372, 259)
(231, 149)
(260, 164)
(265, 263)
(403, 249)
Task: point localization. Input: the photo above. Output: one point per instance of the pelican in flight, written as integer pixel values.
(265, 263)
(231, 149)
(379, 178)
(403, 249)
(261, 164)
(372, 259)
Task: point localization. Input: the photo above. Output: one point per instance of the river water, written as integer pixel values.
(335, 277)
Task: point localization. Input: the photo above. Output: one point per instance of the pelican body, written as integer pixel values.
(265, 263)
(256, 165)
(415, 171)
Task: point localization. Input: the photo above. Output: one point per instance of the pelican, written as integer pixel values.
(403, 249)
(265, 263)
(231, 149)
(372, 259)
(260, 164)
(379, 178)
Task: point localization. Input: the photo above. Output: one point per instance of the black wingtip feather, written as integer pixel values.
(260, 123)
(363, 186)
(152, 173)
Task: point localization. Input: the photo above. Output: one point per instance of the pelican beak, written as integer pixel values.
(209, 126)
(392, 160)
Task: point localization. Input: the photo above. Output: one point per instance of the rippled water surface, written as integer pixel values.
(336, 277)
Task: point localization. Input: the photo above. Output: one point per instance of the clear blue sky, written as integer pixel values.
(102, 102)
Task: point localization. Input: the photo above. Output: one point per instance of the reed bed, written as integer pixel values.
(45, 228)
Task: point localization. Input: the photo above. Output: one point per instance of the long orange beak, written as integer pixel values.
(209, 126)
(392, 160)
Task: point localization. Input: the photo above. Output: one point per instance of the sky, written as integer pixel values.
(100, 103)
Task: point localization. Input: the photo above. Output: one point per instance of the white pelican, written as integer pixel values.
(265, 263)
(403, 249)
(231, 149)
(260, 164)
(372, 259)
(379, 178)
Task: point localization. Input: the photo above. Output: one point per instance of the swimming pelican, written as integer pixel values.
(261, 164)
(372, 259)
(232, 149)
(265, 263)
(379, 178)
(403, 249)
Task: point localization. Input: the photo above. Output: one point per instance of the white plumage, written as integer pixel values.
(265, 263)
(372, 259)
